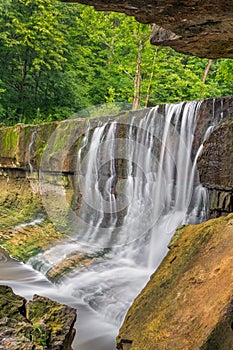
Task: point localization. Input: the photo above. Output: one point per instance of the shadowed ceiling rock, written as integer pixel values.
(200, 28)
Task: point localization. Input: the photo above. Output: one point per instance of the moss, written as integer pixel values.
(15, 211)
(40, 335)
(24, 242)
(9, 141)
(63, 135)
(38, 324)
(53, 321)
(44, 132)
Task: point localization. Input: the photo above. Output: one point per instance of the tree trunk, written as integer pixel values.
(206, 71)
(137, 80)
(151, 78)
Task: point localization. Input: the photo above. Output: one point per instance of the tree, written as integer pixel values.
(31, 54)
(58, 58)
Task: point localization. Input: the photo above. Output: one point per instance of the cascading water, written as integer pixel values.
(136, 189)
(29, 151)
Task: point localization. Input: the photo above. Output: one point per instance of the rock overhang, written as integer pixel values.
(193, 27)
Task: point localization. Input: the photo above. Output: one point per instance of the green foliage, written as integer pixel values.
(59, 58)
(224, 76)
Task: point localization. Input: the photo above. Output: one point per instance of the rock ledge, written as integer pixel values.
(200, 28)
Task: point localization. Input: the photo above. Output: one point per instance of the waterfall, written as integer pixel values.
(32, 174)
(29, 151)
(138, 182)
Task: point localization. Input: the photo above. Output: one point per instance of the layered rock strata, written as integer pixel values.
(215, 168)
(53, 146)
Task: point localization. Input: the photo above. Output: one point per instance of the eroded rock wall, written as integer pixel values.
(54, 146)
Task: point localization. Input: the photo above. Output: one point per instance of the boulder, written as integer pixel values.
(35, 325)
(188, 302)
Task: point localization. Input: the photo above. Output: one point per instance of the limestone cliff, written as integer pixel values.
(200, 28)
(187, 304)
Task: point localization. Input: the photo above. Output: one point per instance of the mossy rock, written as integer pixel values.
(187, 304)
(53, 323)
(36, 325)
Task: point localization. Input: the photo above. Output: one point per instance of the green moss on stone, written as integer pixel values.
(9, 142)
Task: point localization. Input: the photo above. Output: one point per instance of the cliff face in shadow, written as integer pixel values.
(215, 168)
(200, 28)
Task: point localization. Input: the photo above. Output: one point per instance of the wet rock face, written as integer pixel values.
(216, 161)
(200, 28)
(187, 304)
(216, 168)
(38, 324)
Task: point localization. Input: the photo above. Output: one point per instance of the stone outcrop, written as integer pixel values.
(217, 158)
(215, 168)
(74, 260)
(35, 325)
(23, 146)
(20, 142)
(200, 28)
(188, 302)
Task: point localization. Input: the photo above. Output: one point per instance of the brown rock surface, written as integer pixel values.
(188, 302)
(201, 28)
(74, 260)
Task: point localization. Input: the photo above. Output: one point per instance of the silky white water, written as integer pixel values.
(138, 182)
